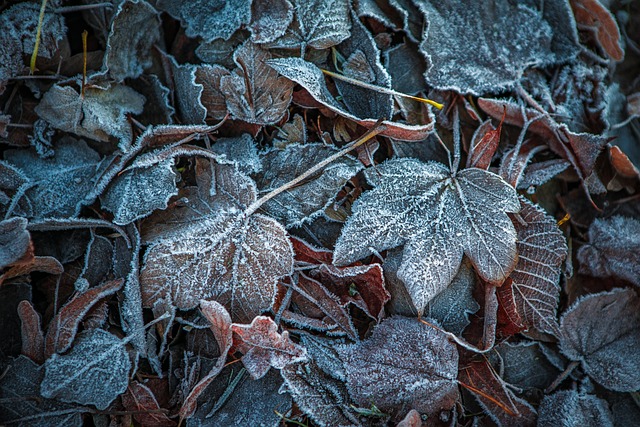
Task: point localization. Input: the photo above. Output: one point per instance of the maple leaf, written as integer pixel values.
(404, 364)
(438, 216)
(254, 92)
(602, 332)
(541, 251)
(264, 347)
(613, 249)
(207, 248)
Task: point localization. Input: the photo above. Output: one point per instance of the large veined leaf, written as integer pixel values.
(541, 251)
(438, 216)
(207, 248)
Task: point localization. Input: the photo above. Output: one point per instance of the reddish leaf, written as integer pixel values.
(63, 327)
(220, 324)
(29, 264)
(509, 320)
(32, 338)
(477, 376)
(591, 13)
(412, 419)
(140, 400)
(622, 164)
(481, 152)
(264, 347)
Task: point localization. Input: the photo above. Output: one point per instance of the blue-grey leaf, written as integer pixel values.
(58, 185)
(240, 150)
(14, 240)
(94, 372)
(139, 191)
(569, 408)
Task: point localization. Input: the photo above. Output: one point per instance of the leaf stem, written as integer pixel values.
(375, 130)
(381, 89)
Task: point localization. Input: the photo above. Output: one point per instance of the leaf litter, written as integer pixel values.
(402, 212)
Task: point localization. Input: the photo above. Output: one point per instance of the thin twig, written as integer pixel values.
(82, 7)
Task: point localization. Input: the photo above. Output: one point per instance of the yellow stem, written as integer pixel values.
(36, 45)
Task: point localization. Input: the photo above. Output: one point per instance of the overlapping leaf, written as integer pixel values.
(206, 248)
(404, 364)
(575, 409)
(308, 200)
(602, 332)
(254, 92)
(541, 251)
(613, 249)
(14, 240)
(438, 217)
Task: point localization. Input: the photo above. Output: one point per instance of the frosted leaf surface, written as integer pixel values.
(140, 399)
(94, 372)
(404, 364)
(211, 97)
(134, 30)
(473, 48)
(452, 306)
(264, 347)
(240, 150)
(323, 398)
(438, 217)
(98, 115)
(308, 200)
(20, 385)
(525, 365)
(602, 331)
(311, 78)
(209, 19)
(188, 93)
(541, 251)
(613, 249)
(574, 409)
(59, 184)
(270, 20)
(14, 240)
(206, 248)
(319, 24)
(139, 191)
(254, 92)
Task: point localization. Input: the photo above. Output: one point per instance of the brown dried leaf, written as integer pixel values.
(484, 144)
(63, 327)
(264, 347)
(139, 399)
(206, 248)
(592, 13)
(32, 338)
(254, 92)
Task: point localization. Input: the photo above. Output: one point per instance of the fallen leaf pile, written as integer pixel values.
(319, 213)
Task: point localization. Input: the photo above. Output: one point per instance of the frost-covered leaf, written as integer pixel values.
(240, 150)
(263, 347)
(452, 307)
(17, 38)
(311, 78)
(473, 48)
(308, 200)
(602, 331)
(541, 251)
(403, 365)
(32, 337)
(100, 114)
(14, 240)
(139, 399)
(613, 249)
(94, 372)
(270, 20)
(439, 217)
(237, 400)
(58, 185)
(525, 365)
(574, 409)
(319, 24)
(188, 93)
(593, 14)
(212, 98)
(323, 398)
(20, 385)
(254, 92)
(63, 327)
(206, 248)
(209, 19)
(134, 30)
(98, 260)
(137, 192)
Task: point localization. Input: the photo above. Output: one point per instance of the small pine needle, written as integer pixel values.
(36, 45)
(564, 219)
(381, 89)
